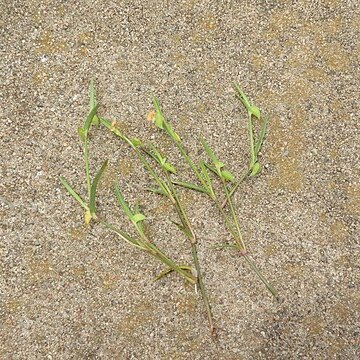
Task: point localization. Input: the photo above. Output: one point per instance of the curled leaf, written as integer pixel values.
(255, 169)
(136, 142)
(137, 217)
(167, 166)
(254, 110)
(227, 175)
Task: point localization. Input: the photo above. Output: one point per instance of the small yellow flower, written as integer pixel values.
(151, 115)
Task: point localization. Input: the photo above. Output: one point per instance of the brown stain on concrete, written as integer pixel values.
(40, 78)
(352, 206)
(47, 43)
(285, 152)
(78, 232)
(110, 281)
(335, 56)
(13, 306)
(130, 326)
(294, 270)
(187, 304)
(314, 325)
(339, 231)
(125, 167)
(40, 269)
(78, 271)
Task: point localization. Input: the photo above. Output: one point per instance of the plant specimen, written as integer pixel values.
(166, 178)
(217, 167)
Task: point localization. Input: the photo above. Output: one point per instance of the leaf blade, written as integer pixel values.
(73, 193)
(94, 187)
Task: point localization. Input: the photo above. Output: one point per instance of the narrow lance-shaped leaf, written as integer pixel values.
(81, 134)
(189, 186)
(251, 109)
(95, 120)
(261, 136)
(243, 98)
(90, 118)
(72, 192)
(122, 202)
(218, 164)
(123, 235)
(159, 118)
(94, 186)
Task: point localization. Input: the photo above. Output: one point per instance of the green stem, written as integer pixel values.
(232, 191)
(234, 217)
(192, 237)
(87, 170)
(191, 164)
(251, 136)
(261, 276)
(203, 290)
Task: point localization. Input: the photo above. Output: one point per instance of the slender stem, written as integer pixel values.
(87, 170)
(251, 137)
(162, 185)
(145, 245)
(232, 191)
(152, 249)
(227, 220)
(203, 290)
(235, 219)
(192, 237)
(261, 276)
(191, 164)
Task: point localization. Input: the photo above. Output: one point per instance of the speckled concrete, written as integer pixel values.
(71, 292)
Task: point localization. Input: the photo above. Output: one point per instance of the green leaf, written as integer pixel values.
(158, 191)
(167, 166)
(255, 169)
(122, 202)
(123, 235)
(254, 110)
(218, 166)
(95, 120)
(72, 192)
(94, 186)
(172, 133)
(137, 217)
(261, 136)
(159, 119)
(227, 175)
(205, 174)
(243, 97)
(136, 142)
(170, 270)
(81, 133)
(155, 154)
(189, 186)
(208, 151)
(90, 118)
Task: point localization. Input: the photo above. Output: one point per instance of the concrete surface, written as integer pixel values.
(71, 292)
